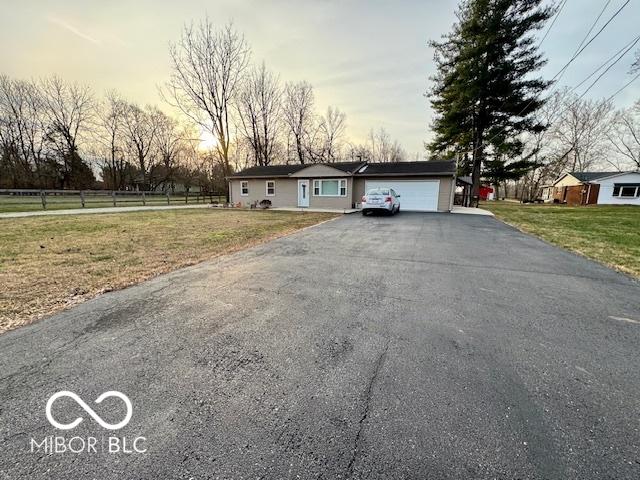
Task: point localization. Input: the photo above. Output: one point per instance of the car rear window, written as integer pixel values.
(378, 191)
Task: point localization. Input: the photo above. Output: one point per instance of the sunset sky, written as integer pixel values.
(369, 58)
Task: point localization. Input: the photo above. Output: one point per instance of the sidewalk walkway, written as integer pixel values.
(81, 211)
(471, 211)
(321, 210)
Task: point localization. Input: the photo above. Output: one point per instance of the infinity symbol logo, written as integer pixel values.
(89, 410)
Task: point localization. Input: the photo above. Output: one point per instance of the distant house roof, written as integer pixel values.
(617, 174)
(590, 176)
(464, 179)
(356, 168)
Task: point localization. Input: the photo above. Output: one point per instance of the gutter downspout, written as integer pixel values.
(453, 192)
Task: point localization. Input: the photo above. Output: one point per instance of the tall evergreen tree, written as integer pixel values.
(485, 94)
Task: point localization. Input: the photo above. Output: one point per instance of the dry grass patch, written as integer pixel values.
(50, 263)
(609, 234)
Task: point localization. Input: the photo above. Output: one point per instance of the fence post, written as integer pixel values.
(144, 202)
(113, 197)
(168, 200)
(43, 197)
(82, 198)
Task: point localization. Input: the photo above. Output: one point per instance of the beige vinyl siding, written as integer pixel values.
(444, 192)
(286, 192)
(567, 181)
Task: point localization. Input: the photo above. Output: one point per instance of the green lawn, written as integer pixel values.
(49, 263)
(608, 234)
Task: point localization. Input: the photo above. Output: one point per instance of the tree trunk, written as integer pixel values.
(478, 154)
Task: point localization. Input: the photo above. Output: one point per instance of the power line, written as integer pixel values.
(625, 86)
(632, 43)
(620, 56)
(593, 24)
(581, 47)
(555, 18)
(610, 66)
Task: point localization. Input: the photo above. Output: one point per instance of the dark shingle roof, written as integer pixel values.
(269, 170)
(591, 176)
(357, 168)
(409, 168)
(285, 170)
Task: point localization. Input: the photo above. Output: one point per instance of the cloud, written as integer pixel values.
(70, 28)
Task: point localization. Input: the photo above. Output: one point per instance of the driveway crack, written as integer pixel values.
(365, 411)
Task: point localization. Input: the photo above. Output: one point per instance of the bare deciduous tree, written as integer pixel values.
(141, 126)
(383, 149)
(110, 138)
(298, 115)
(69, 109)
(207, 69)
(624, 134)
(170, 140)
(581, 130)
(541, 148)
(260, 114)
(333, 126)
(22, 136)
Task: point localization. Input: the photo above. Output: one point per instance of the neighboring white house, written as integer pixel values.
(621, 188)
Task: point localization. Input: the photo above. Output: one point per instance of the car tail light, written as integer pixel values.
(388, 200)
(364, 199)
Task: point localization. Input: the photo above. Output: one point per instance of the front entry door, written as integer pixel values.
(303, 193)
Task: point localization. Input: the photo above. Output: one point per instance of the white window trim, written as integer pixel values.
(340, 183)
(266, 188)
(619, 195)
(242, 183)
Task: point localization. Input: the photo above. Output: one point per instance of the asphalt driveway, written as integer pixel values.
(418, 346)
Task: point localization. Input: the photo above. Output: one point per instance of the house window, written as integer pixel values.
(626, 190)
(244, 188)
(330, 188)
(271, 188)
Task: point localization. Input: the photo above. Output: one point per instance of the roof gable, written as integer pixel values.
(320, 170)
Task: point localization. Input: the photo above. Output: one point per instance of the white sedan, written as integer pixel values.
(384, 200)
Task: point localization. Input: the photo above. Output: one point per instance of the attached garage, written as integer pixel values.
(415, 195)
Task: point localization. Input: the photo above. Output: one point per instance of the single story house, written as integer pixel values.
(422, 186)
(575, 188)
(620, 188)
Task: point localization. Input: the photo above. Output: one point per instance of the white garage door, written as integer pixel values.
(417, 195)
